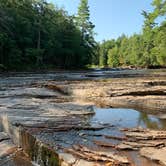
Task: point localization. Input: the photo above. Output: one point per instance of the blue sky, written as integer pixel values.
(112, 17)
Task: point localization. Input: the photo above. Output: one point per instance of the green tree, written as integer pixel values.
(113, 59)
(151, 31)
(147, 49)
(36, 34)
(86, 27)
(103, 52)
(159, 49)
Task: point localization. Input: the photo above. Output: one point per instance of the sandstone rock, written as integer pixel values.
(86, 163)
(93, 155)
(48, 104)
(139, 144)
(147, 135)
(155, 154)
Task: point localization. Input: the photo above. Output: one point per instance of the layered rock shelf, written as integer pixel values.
(47, 118)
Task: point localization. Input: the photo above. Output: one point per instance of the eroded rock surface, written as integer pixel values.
(155, 154)
(138, 93)
(48, 115)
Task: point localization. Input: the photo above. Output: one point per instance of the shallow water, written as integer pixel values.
(128, 118)
(119, 118)
(113, 120)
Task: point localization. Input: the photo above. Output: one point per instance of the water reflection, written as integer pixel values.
(128, 118)
(163, 124)
(149, 122)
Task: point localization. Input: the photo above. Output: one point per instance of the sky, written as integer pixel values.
(112, 17)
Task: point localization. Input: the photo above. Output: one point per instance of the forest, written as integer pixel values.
(147, 49)
(35, 34)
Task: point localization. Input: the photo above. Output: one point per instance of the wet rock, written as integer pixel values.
(92, 155)
(104, 144)
(115, 137)
(3, 136)
(44, 114)
(137, 145)
(38, 152)
(138, 138)
(7, 148)
(146, 134)
(21, 159)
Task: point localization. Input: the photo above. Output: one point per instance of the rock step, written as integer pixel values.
(10, 154)
(7, 148)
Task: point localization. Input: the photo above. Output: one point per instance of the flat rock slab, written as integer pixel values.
(49, 105)
(155, 154)
(139, 144)
(87, 163)
(145, 134)
(88, 154)
(68, 159)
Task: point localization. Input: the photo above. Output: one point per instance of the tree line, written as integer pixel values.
(147, 49)
(37, 34)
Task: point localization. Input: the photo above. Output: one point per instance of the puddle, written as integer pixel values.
(113, 119)
(127, 118)
(118, 118)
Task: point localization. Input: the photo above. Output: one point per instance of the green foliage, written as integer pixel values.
(146, 49)
(103, 51)
(113, 60)
(86, 27)
(36, 34)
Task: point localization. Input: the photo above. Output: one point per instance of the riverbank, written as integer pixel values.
(51, 115)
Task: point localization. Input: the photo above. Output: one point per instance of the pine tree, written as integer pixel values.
(86, 27)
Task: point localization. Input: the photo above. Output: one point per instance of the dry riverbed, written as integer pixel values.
(83, 118)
